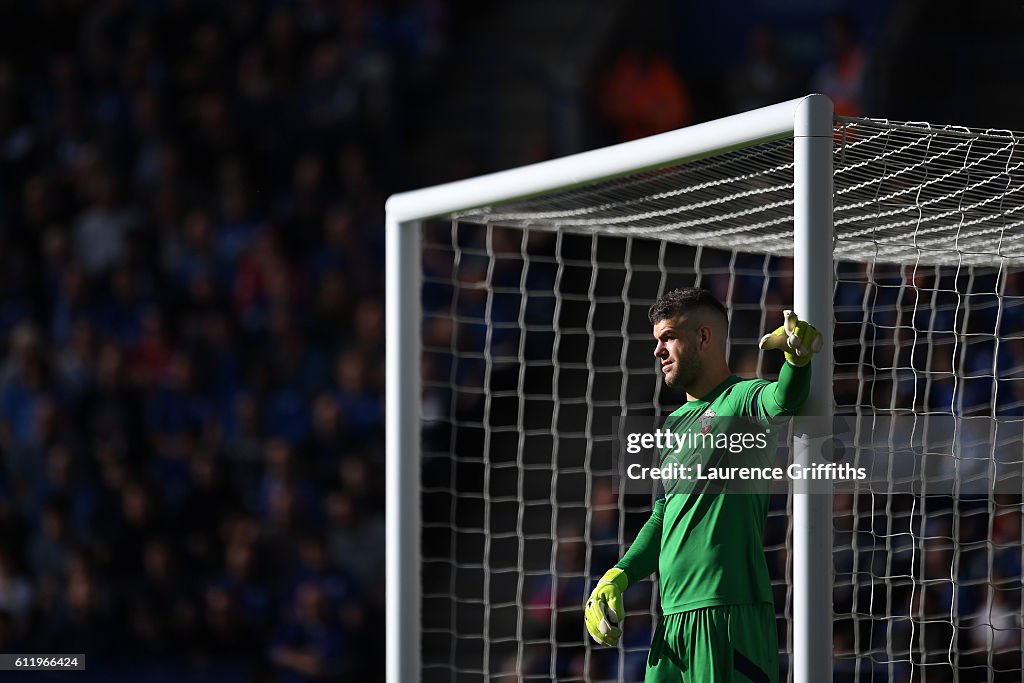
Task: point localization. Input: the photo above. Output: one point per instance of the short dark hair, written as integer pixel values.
(671, 305)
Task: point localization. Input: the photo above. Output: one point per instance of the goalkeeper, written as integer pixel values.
(718, 615)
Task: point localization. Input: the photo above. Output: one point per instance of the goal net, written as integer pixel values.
(535, 338)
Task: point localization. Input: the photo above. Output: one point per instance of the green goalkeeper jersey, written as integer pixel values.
(705, 536)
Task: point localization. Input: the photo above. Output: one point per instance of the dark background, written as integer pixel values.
(191, 259)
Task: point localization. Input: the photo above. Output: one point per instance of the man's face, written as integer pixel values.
(677, 351)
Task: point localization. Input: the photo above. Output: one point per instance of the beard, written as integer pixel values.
(685, 372)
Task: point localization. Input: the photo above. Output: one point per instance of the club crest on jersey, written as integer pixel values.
(706, 421)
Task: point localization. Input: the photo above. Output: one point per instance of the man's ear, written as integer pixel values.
(705, 333)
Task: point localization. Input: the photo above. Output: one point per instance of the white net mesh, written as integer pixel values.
(535, 336)
(904, 193)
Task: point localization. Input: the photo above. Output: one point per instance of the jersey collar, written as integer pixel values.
(714, 393)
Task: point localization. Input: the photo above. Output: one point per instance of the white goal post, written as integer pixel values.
(809, 122)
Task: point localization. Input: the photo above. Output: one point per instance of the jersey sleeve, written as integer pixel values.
(641, 560)
(771, 400)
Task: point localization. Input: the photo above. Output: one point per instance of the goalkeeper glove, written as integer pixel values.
(798, 339)
(604, 611)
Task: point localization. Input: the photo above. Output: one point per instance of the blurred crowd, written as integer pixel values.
(191, 333)
(644, 92)
(191, 329)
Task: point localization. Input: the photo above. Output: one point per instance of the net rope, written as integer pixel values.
(535, 337)
(904, 192)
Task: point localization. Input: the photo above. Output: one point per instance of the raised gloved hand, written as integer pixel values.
(798, 339)
(604, 612)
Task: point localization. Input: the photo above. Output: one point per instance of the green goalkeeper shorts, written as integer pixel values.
(727, 644)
